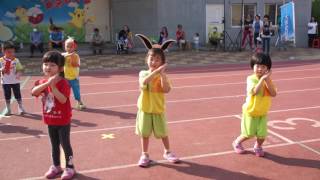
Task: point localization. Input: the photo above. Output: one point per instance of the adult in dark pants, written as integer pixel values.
(266, 34)
(256, 25)
(247, 31)
(36, 39)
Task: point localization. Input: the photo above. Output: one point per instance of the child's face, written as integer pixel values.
(154, 61)
(9, 53)
(69, 47)
(50, 69)
(260, 69)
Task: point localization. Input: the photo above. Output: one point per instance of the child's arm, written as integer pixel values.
(19, 69)
(38, 89)
(272, 90)
(60, 97)
(57, 94)
(164, 81)
(75, 60)
(148, 78)
(258, 87)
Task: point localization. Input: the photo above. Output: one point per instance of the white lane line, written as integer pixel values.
(196, 99)
(198, 156)
(202, 70)
(196, 77)
(171, 122)
(241, 68)
(182, 87)
(310, 148)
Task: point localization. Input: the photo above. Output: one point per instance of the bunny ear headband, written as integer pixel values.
(146, 41)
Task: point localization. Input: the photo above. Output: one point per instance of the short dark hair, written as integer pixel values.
(54, 57)
(260, 58)
(157, 52)
(8, 45)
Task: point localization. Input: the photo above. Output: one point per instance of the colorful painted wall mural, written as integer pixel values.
(19, 17)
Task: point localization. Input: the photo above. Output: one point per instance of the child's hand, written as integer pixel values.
(162, 68)
(53, 80)
(74, 61)
(267, 75)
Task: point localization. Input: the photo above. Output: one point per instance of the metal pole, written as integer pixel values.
(242, 7)
(224, 26)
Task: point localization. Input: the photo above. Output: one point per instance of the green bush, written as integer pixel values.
(316, 11)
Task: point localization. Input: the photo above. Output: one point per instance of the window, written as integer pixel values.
(273, 10)
(236, 15)
(237, 9)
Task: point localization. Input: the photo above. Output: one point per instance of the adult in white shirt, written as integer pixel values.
(312, 30)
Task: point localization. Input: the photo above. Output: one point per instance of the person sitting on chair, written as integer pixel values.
(181, 35)
(36, 39)
(214, 37)
(96, 41)
(56, 38)
(125, 37)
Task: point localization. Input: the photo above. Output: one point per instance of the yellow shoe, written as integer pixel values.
(80, 106)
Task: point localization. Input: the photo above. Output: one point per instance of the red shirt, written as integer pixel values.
(54, 112)
(179, 34)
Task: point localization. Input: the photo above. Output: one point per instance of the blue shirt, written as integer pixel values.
(257, 27)
(36, 37)
(56, 36)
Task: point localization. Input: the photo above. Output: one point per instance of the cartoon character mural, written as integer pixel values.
(6, 33)
(35, 15)
(18, 18)
(21, 15)
(79, 18)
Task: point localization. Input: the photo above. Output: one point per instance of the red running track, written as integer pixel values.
(203, 113)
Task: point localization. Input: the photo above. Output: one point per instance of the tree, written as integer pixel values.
(316, 11)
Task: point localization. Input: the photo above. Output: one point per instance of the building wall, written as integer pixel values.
(139, 15)
(189, 13)
(302, 16)
(148, 16)
(100, 10)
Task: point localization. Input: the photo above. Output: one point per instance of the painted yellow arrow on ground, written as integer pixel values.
(107, 136)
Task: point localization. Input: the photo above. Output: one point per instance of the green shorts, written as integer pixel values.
(146, 123)
(253, 126)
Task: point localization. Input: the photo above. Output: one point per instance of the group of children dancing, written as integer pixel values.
(61, 73)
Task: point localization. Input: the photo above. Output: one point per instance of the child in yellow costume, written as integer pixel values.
(151, 103)
(71, 70)
(260, 89)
